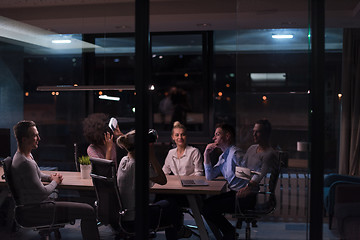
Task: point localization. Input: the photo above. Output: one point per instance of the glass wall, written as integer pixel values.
(341, 119)
(235, 74)
(260, 77)
(181, 83)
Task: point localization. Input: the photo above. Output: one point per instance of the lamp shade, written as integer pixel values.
(303, 146)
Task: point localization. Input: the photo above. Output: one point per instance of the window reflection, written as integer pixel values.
(208, 89)
(177, 69)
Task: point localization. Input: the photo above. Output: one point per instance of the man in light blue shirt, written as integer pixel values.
(231, 157)
(259, 157)
(215, 206)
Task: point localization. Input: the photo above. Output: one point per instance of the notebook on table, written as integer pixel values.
(190, 182)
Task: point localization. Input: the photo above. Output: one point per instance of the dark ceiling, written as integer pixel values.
(246, 25)
(105, 16)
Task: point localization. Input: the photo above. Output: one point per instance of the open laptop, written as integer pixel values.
(190, 182)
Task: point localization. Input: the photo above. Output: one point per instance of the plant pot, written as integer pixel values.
(85, 171)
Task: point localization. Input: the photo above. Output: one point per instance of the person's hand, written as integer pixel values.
(117, 132)
(108, 141)
(243, 192)
(251, 188)
(210, 147)
(57, 177)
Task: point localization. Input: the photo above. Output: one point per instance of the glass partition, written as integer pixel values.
(272, 81)
(260, 77)
(257, 67)
(341, 120)
(180, 82)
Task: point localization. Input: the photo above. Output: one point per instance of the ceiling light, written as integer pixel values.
(268, 79)
(26, 33)
(282, 36)
(85, 88)
(260, 77)
(61, 41)
(106, 97)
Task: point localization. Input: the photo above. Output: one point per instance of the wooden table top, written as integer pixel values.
(73, 180)
(174, 186)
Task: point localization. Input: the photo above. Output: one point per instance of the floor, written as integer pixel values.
(265, 231)
(288, 222)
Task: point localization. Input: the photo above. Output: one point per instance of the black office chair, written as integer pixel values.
(264, 205)
(108, 205)
(24, 213)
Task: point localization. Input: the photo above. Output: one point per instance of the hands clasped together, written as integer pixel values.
(57, 177)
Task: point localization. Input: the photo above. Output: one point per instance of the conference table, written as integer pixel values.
(193, 194)
(73, 181)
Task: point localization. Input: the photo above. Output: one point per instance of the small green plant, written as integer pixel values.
(84, 160)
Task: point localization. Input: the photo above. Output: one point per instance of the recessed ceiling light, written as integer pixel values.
(279, 36)
(22, 32)
(61, 41)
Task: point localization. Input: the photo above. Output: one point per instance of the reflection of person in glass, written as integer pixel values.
(181, 105)
(259, 157)
(188, 159)
(100, 136)
(166, 107)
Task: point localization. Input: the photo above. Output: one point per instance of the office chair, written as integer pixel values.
(331, 182)
(108, 205)
(24, 213)
(262, 207)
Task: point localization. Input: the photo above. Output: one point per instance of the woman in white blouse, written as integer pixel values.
(188, 159)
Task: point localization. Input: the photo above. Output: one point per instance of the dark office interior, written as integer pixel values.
(222, 60)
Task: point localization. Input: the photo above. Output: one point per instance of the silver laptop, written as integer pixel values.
(190, 182)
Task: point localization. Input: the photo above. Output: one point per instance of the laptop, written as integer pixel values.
(190, 182)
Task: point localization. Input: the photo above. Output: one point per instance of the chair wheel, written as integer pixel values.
(254, 224)
(44, 235)
(239, 224)
(57, 234)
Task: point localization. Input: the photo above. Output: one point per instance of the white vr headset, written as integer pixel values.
(113, 124)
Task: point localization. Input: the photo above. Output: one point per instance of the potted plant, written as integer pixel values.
(85, 166)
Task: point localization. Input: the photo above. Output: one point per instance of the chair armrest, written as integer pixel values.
(330, 199)
(35, 204)
(262, 192)
(334, 177)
